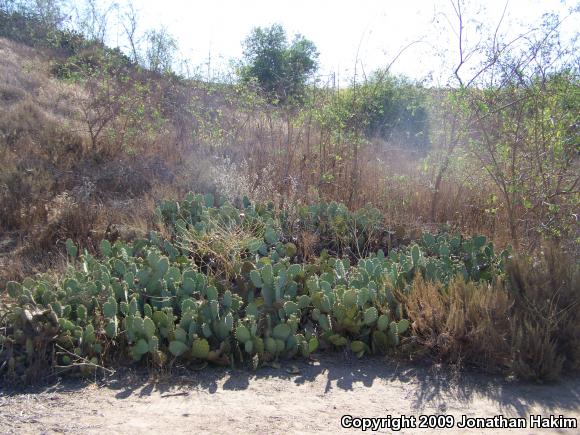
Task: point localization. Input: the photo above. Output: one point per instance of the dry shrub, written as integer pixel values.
(69, 217)
(39, 138)
(220, 249)
(546, 320)
(534, 353)
(527, 324)
(390, 178)
(264, 152)
(307, 242)
(465, 323)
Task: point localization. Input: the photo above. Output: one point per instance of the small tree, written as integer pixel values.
(32, 22)
(516, 112)
(129, 23)
(160, 50)
(281, 69)
(92, 19)
(394, 109)
(50, 12)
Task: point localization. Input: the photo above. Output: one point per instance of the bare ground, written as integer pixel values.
(304, 398)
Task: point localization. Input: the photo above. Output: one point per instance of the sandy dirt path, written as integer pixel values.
(276, 401)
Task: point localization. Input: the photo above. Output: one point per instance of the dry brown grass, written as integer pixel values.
(465, 323)
(527, 324)
(52, 184)
(220, 249)
(546, 323)
(291, 158)
(37, 142)
(269, 154)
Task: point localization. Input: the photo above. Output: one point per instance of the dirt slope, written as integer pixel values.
(276, 401)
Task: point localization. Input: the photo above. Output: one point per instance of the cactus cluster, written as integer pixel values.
(341, 231)
(357, 304)
(151, 301)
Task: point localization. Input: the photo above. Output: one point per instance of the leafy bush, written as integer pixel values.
(395, 110)
(280, 69)
(32, 27)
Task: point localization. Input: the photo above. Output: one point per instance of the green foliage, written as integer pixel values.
(43, 24)
(394, 109)
(160, 50)
(37, 24)
(71, 248)
(279, 68)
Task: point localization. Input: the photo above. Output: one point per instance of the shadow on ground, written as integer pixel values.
(428, 385)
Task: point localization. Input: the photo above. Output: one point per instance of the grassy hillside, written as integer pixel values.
(89, 134)
(79, 147)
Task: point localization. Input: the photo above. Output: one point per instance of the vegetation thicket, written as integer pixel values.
(383, 217)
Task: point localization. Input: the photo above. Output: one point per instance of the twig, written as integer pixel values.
(85, 362)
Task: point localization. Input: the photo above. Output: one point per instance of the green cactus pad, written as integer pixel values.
(111, 328)
(81, 312)
(227, 299)
(402, 326)
(14, 289)
(267, 275)
(303, 301)
(89, 334)
(188, 286)
(349, 298)
(357, 346)
(110, 308)
(312, 345)
(281, 331)
(290, 308)
(256, 278)
(141, 347)
(149, 328)
(270, 345)
(177, 347)
(324, 322)
(105, 248)
(180, 335)
(290, 249)
(380, 342)
(258, 345)
(242, 334)
(280, 346)
(479, 241)
(71, 248)
(383, 322)
(338, 340)
(370, 316)
(211, 293)
(252, 310)
(200, 348)
(271, 236)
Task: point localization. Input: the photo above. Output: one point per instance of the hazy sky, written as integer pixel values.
(375, 29)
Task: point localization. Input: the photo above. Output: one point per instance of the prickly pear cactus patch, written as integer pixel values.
(153, 300)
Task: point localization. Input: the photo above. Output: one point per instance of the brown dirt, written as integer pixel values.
(277, 401)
